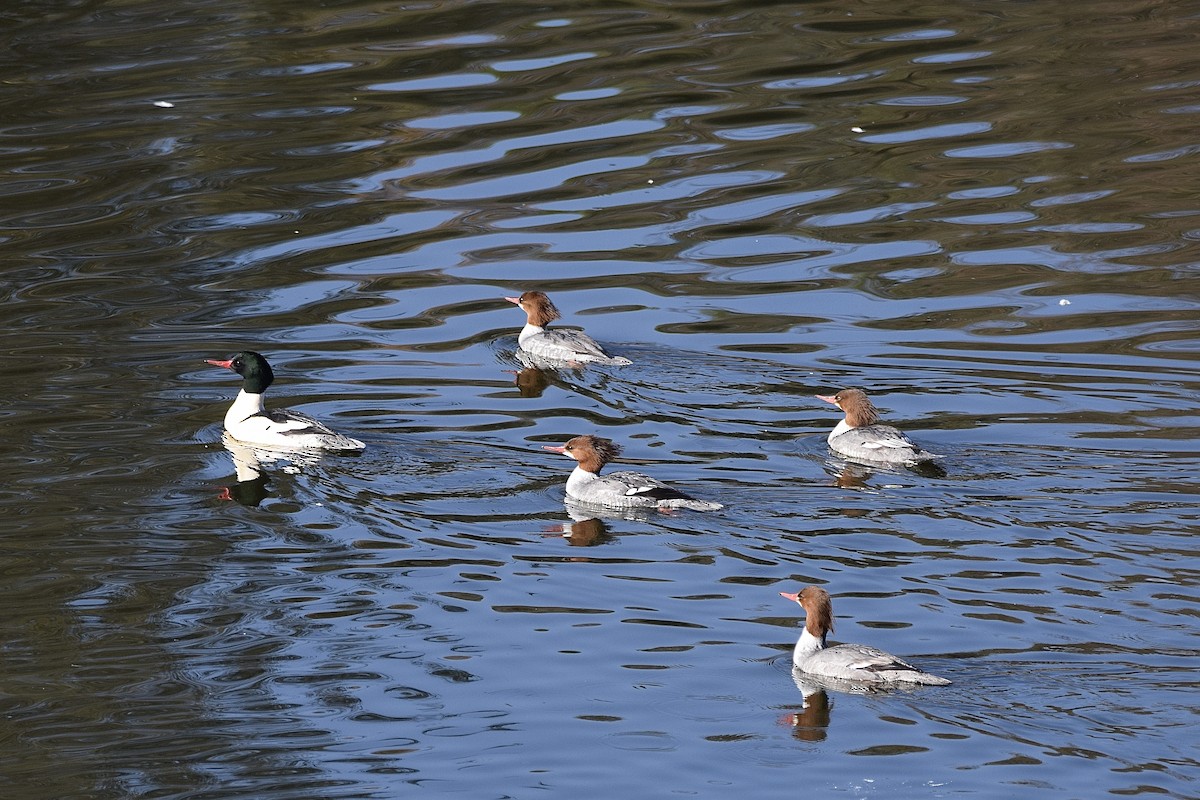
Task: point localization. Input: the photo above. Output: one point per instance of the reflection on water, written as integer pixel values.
(754, 204)
(810, 722)
(531, 381)
(250, 487)
(586, 532)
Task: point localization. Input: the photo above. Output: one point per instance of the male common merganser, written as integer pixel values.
(248, 421)
(556, 345)
(861, 436)
(847, 662)
(618, 489)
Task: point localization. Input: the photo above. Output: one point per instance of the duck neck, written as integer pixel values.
(529, 330)
(839, 429)
(246, 405)
(579, 477)
(807, 645)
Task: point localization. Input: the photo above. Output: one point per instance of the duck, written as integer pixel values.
(249, 421)
(618, 489)
(571, 346)
(856, 664)
(860, 435)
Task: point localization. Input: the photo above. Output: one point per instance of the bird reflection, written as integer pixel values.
(929, 469)
(849, 473)
(251, 487)
(585, 529)
(531, 381)
(852, 476)
(853, 473)
(588, 528)
(248, 463)
(586, 532)
(809, 724)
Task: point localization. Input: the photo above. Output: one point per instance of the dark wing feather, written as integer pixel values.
(296, 423)
(640, 485)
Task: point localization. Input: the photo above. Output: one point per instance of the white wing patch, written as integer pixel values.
(894, 443)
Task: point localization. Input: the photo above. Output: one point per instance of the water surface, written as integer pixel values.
(983, 213)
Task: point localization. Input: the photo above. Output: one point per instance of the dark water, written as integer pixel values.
(986, 213)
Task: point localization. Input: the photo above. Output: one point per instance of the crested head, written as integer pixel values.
(254, 369)
(592, 452)
(818, 609)
(538, 307)
(860, 411)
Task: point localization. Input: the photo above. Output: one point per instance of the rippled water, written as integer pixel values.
(985, 213)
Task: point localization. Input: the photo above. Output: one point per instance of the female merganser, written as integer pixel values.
(848, 662)
(861, 436)
(248, 421)
(618, 489)
(556, 345)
